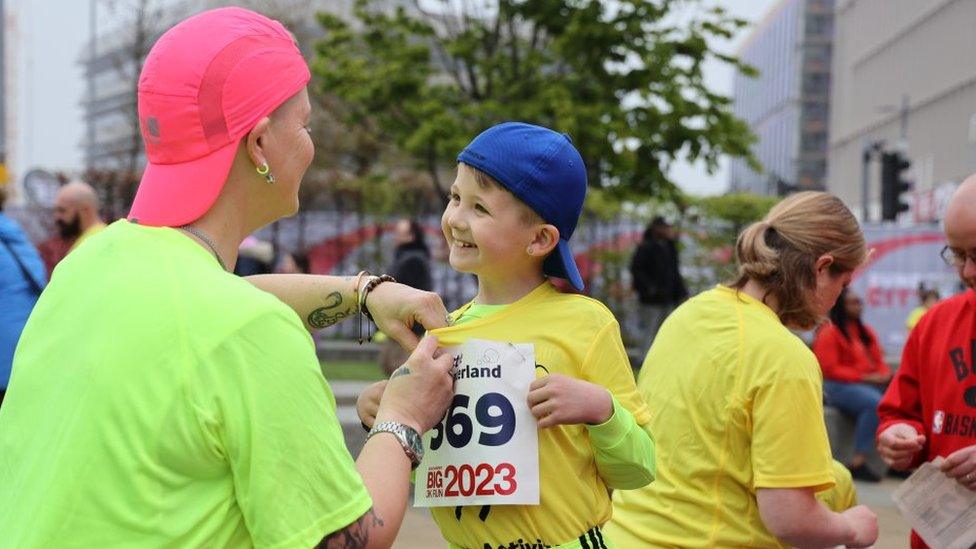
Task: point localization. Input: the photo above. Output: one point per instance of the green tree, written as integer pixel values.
(717, 222)
(736, 210)
(623, 78)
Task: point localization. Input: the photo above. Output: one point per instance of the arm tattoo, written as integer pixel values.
(328, 315)
(354, 536)
(401, 371)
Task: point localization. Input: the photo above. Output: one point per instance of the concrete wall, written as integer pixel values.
(885, 50)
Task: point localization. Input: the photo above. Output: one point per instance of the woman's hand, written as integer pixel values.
(418, 392)
(397, 308)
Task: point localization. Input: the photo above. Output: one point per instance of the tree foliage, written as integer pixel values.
(737, 209)
(718, 221)
(624, 79)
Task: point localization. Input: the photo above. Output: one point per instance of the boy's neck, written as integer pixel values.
(505, 290)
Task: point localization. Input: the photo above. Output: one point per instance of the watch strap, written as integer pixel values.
(402, 433)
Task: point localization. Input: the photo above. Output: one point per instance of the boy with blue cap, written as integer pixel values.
(513, 207)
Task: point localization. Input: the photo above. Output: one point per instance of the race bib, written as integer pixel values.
(486, 449)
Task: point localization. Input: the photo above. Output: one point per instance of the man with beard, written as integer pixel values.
(76, 212)
(76, 218)
(929, 410)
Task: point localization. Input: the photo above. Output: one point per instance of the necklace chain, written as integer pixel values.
(206, 240)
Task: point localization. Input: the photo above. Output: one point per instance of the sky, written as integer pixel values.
(43, 40)
(693, 178)
(46, 38)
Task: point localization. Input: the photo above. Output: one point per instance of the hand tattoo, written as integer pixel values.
(354, 536)
(327, 315)
(401, 371)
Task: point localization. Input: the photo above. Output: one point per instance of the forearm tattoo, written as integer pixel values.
(331, 312)
(354, 536)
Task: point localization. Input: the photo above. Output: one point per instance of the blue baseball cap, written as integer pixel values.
(542, 169)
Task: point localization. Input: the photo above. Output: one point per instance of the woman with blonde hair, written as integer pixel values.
(736, 398)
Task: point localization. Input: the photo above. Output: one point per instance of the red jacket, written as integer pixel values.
(847, 360)
(934, 391)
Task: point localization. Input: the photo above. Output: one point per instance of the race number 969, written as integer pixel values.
(495, 418)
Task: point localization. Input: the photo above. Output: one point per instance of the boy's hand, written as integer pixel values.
(560, 400)
(368, 402)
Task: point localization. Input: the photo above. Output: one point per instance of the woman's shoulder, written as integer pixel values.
(773, 343)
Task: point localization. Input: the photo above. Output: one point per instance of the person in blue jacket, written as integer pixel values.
(22, 277)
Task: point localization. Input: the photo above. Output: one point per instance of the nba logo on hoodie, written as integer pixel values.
(937, 421)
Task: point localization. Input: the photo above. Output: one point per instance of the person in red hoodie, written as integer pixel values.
(929, 410)
(854, 374)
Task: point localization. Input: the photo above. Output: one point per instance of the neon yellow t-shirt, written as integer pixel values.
(158, 401)
(575, 336)
(736, 404)
(475, 311)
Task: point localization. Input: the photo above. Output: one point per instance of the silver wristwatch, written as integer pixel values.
(412, 444)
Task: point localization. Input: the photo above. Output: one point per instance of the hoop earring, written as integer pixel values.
(265, 170)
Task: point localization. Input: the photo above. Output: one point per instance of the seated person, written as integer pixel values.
(854, 374)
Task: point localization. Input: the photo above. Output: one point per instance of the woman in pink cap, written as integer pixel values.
(158, 400)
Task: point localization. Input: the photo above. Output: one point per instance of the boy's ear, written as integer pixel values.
(544, 241)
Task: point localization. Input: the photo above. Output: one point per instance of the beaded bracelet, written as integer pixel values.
(372, 283)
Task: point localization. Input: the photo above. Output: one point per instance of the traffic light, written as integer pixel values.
(893, 185)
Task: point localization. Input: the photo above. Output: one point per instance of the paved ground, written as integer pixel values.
(419, 531)
(893, 528)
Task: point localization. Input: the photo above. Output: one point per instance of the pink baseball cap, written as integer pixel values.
(204, 85)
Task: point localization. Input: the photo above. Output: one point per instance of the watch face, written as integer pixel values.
(415, 442)
(409, 439)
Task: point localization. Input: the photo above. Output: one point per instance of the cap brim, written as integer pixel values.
(561, 264)
(172, 195)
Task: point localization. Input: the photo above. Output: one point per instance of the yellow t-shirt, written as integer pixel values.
(842, 496)
(916, 315)
(736, 404)
(575, 336)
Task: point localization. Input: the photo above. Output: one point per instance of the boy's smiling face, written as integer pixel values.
(488, 230)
